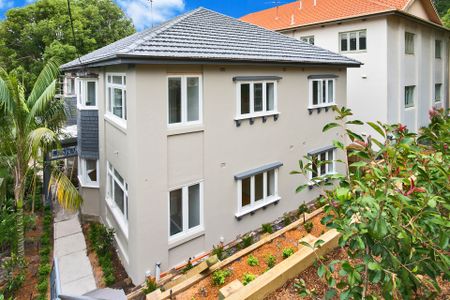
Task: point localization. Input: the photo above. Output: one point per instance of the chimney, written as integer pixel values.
(293, 19)
(315, 2)
(300, 4)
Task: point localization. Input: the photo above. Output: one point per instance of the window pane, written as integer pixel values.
(91, 96)
(174, 100)
(245, 98)
(176, 211)
(91, 169)
(330, 91)
(270, 94)
(194, 205)
(323, 166)
(437, 92)
(409, 96)
(324, 92)
(193, 99)
(118, 197)
(246, 192)
(352, 41)
(311, 40)
(258, 96)
(118, 177)
(437, 49)
(344, 46)
(331, 158)
(110, 186)
(316, 92)
(125, 105)
(259, 187)
(117, 102)
(409, 43)
(362, 40)
(117, 79)
(271, 183)
(314, 166)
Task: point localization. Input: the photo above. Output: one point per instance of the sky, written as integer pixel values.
(139, 10)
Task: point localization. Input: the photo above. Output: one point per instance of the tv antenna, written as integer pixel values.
(151, 11)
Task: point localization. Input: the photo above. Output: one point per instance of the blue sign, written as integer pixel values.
(63, 153)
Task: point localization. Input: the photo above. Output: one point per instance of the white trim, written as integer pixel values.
(259, 205)
(264, 112)
(184, 111)
(347, 33)
(312, 179)
(66, 84)
(83, 178)
(82, 93)
(116, 122)
(121, 121)
(121, 217)
(322, 102)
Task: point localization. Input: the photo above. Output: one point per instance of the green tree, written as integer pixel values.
(442, 6)
(31, 135)
(29, 36)
(446, 19)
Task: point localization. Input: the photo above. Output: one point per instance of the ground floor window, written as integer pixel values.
(185, 209)
(117, 191)
(437, 92)
(88, 172)
(323, 163)
(409, 96)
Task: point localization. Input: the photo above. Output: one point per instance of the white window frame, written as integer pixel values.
(436, 98)
(83, 177)
(255, 205)
(186, 232)
(66, 86)
(308, 39)
(311, 91)
(184, 110)
(122, 122)
(327, 166)
(121, 217)
(347, 33)
(81, 93)
(413, 104)
(252, 113)
(413, 46)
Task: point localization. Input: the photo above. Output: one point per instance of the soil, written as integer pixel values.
(122, 279)
(205, 289)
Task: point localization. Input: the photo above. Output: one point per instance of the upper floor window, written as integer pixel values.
(353, 41)
(87, 93)
(409, 43)
(69, 86)
(437, 48)
(116, 95)
(323, 163)
(185, 209)
(322, 92)
(409, 96)
(438, 92)
(308, 39)
(185, 100)
(256, 98)
(88, 172)
(117, 192)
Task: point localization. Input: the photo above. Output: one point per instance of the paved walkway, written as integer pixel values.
(75, 269)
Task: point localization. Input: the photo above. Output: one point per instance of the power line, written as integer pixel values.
(73, 31)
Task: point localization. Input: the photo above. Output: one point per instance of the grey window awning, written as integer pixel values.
(258, 170)
(256, 78)
(322, 76)
(320, 150)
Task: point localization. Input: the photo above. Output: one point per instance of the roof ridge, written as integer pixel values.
(153, 32)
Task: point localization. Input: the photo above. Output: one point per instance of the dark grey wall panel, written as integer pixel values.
(88, 134)
(71, 110)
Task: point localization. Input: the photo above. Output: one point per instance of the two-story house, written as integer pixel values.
(188, 133)
(402, 44)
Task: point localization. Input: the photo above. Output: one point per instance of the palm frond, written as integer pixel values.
(41, 104)
(64, 191)
(6, 101)
(40, 138)
(47, 77)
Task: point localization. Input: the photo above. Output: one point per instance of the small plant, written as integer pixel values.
(218, 250)
(302, 290)
(252, 261)
(44, 269)
(102, 240)
(271, 260)
(303, 210)
(287, 252)
(150, 285)
(287, 220)
(219, 276)
(267, 228)
(308, 227)
(247, 278)
(247, 240)
(188, 267)
(43, 286)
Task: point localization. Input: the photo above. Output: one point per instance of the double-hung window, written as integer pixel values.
(185, 210)
(256, 98)
(86, 93)
(409, 96)
(69, 86)
(322, 92)
(88, 172)
(353, 41)
(117, 195)
(409, 43)
(437, 48)
(185, 100)
(308, 39)
(116, 93)
(438, 92)
(322, 163)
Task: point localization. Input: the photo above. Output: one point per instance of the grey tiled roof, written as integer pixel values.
(205, 35)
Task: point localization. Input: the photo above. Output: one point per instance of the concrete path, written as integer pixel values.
(75, 269)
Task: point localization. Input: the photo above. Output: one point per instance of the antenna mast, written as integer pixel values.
(151, 11)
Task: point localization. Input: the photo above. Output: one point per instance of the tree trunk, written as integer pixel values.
(20, 230)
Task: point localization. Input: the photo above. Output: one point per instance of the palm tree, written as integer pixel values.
(34, 124)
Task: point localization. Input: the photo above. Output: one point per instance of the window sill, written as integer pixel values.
(319, 108)
(120, 124)
(83, 107)
(353, 51)
(409, 107)
(251, 118)
(184, 129)
(263, 205)
(88, 185)
(182, 238)
(118, 216)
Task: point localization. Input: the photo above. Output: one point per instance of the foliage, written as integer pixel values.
(267, 228)
(252, 261)
(218, 250)
(102, 242)
(442, 6)
(287, 219)
(247, 278)
(150, 285)
(43, 286)
(188, 267)
(30, 35)
(14, 274)
(8, 226)
(302, 211)
(437, 135)
(392, 210)
(271, 261)
(247, 240)
(287, 252)
(302, 290)
(308, 226)
(219, 276)
(45, 268)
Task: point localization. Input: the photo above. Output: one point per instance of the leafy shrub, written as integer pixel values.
(43, 286)
(247, 278)
(8, 228)
(308, 226)
(246, 241)
(287, 220)
(252, 261)
(218, 250)
(150, 285)
(14, 273)
(219, 276)
(271, 260)
(287, 252)
(102, 242)
(267, 228)
(44, 269)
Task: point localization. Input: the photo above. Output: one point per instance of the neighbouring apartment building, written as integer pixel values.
(188, 132)
(402, 44)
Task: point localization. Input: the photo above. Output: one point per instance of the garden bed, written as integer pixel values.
(238, 264)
